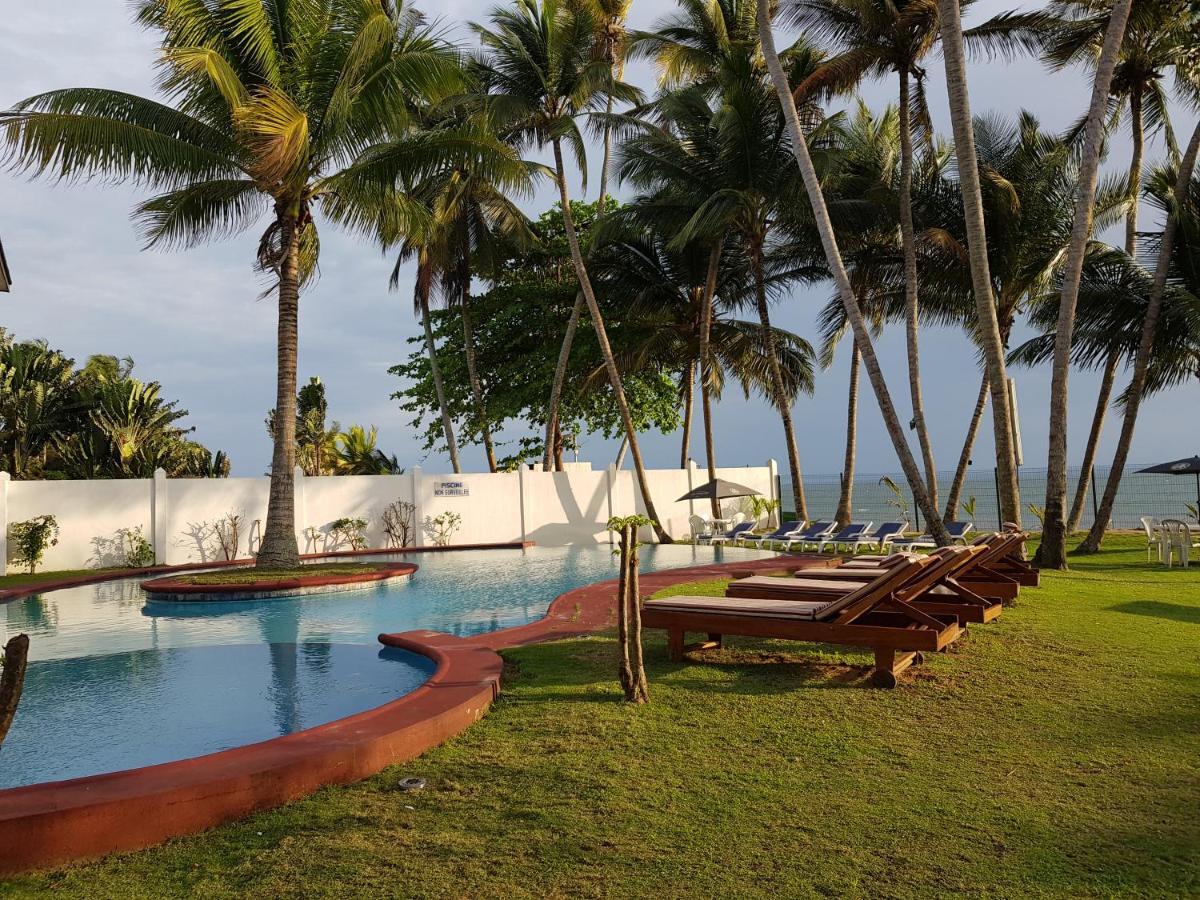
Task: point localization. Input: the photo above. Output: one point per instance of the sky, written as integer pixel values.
(193, 321)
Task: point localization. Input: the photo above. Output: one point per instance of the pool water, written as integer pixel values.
(115, 682)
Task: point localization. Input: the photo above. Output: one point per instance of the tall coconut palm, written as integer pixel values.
(987, 329)
(1052, 551)
(1156, 35)
(837, 268)
(1182, 224)
(278, 109)
(540, 65)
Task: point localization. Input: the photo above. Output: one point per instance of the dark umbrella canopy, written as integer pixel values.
(718, 490)
(1189, 466)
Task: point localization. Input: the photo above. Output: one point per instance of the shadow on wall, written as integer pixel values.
(582, 526)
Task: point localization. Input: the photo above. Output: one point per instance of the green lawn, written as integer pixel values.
(251, 575)
(20, 579)
(1054, 752)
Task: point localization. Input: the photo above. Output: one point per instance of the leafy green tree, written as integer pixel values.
(358, 453)
(275, 109)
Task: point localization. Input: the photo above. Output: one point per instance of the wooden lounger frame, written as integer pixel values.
(933, 588)
(874, 618)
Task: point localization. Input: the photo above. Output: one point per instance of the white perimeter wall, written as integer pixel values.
(176, 515)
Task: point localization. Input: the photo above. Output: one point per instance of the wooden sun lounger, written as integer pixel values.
(934, 588)
(871, 616)
(999, 573)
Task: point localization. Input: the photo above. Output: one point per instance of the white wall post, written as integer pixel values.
(521, 494)
(5, 478)
(158, 516)
(776, 514)
(417, 484)
(611, 477)
(300, 510)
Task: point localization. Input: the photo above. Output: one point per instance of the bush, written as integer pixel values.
(139, 552)
(29, 540)
(398, 522)
(441, 528)
(347, 531)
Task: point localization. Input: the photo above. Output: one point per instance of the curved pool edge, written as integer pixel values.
(53, 823)
(175, 590)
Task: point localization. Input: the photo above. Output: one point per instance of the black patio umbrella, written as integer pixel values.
(718, 490)
(1189, 466)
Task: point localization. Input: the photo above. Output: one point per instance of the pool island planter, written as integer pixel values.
(52, 823)
(180, 590)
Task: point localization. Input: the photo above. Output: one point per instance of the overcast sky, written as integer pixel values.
(192, 321)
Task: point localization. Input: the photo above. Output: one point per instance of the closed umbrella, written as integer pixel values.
(718, 489)
(1189, 466)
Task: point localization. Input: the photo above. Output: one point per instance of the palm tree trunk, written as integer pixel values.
(988, 327)
(278, 549)
(621, 451)
(1135, 170)
(1052, 552)
(606, 164)
(908, 239)
(12, 680)
(610, 362)
(782, 401)
(845, 508)
(439, 386)
(560, 377)
(1141, 364)
(954, 498)
(837, 268)
(706, 363)
(688, 389)
(485, 430)
(1093, 442)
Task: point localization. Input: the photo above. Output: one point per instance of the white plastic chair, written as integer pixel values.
(701, 533)
(1178, 541)
(1154, 538)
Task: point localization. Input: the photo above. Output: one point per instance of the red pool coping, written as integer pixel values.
(279, 587)
(52, 823)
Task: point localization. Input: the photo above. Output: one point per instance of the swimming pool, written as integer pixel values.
(115, 682)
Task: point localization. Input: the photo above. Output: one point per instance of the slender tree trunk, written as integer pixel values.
(688, 389)
(278, 549)
(604, 166)
(439, 386)
(485, 430)
(1052, 552)
(1135, 170)
(1093, 442)
(1141, 364)
(845, 509)
(560, 377)
(908, 238)
(707, 364)
(988, 327)
(610, 362)
(640, 692)
(621, 451)
(12, 680)
(624, 667)
(782, 401)
(837, 268)
(954, 498)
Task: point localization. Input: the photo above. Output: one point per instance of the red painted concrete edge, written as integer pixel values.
(101, 575)
(52, 823)
(176, 586)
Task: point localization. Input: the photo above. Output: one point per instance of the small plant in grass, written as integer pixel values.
(12, 680)
(398, 519)
(138, 552)
(1039, 513)
(757, 507)
(441, 528)
(632, 670)
(1193, 511)
(29, 540)
(968, 507)
(897, 501)
(349, 532)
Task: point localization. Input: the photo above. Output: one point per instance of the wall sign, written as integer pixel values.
(451, 489)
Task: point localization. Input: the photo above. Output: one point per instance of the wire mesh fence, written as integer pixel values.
(873, 498)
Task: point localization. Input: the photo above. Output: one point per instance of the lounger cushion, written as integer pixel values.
(735, 606)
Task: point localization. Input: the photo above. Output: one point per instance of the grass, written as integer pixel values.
(250, 575)
(1052, 753)
(20, 579)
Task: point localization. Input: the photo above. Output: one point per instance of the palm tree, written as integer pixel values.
(837, 268)
(1182, 224)
(358, 453)
(1052, 551)
(665, 292)
(539, 63)
(1155, 36)
(987, 329)
(36, 387)
(271, 108)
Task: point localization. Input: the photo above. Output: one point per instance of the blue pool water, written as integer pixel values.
(115, 682)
